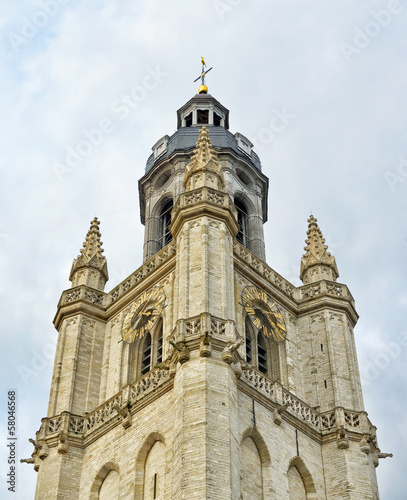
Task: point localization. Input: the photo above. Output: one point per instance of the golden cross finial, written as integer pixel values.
(203, 89)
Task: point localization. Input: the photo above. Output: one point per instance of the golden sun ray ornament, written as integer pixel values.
(143, 314)
(264, 313)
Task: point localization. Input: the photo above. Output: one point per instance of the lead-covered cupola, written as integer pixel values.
(162, 183)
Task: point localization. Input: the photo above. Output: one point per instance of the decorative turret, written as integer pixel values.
(317, 263)
(203, 169)
(90, 268)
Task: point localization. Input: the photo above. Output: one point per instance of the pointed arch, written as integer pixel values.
(261, 352)
(141, 460)
(309, 486)
(260, 443)
(255, 463)
(147, 352)
(100, 477)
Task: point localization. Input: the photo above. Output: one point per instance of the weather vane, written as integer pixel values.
(203, 89)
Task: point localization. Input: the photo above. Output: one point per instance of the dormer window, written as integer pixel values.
(188, 120)
(160, 146)
(203, 116)
(243, 143)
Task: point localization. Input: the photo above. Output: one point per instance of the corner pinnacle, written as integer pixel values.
(91, 257)
(317, 263)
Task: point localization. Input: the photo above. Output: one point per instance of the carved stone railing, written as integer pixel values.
(142, 272)
(301, 409)
(85, 293)
(325, 288)
(260, 382)
(148, 384)
(107, 411)
(325, 421)
(264, 270)
(204, 194)
(196, 326)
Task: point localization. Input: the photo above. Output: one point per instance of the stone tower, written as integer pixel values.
(205, 374)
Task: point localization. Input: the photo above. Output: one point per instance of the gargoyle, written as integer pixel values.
(179, 346)
(36, 444)
(206, 339)
(233, 347)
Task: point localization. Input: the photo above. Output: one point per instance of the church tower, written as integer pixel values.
(205, 374)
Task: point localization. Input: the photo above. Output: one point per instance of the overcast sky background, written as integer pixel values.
(341, 152)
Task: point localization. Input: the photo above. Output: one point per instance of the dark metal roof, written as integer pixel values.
(184, 139)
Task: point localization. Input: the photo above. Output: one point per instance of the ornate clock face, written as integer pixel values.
(264, 313)
(143, 314)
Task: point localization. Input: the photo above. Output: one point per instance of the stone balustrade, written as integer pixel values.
(326, 421)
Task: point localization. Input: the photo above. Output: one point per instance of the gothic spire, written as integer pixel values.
(90, 267)
(317, 263)
(204, 160)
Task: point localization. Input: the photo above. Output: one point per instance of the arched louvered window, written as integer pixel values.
(160, 344)
(262, 354)
(165, 221)
(146, 355)
(249, 342)
(242, 236)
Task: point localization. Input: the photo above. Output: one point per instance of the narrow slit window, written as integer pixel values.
(155, 486)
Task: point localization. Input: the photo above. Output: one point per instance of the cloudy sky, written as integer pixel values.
(335, 71)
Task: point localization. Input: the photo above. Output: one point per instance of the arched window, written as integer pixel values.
(242, 236)
(146, 355)
(261, 352)
(148, 351)
(165, 221)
